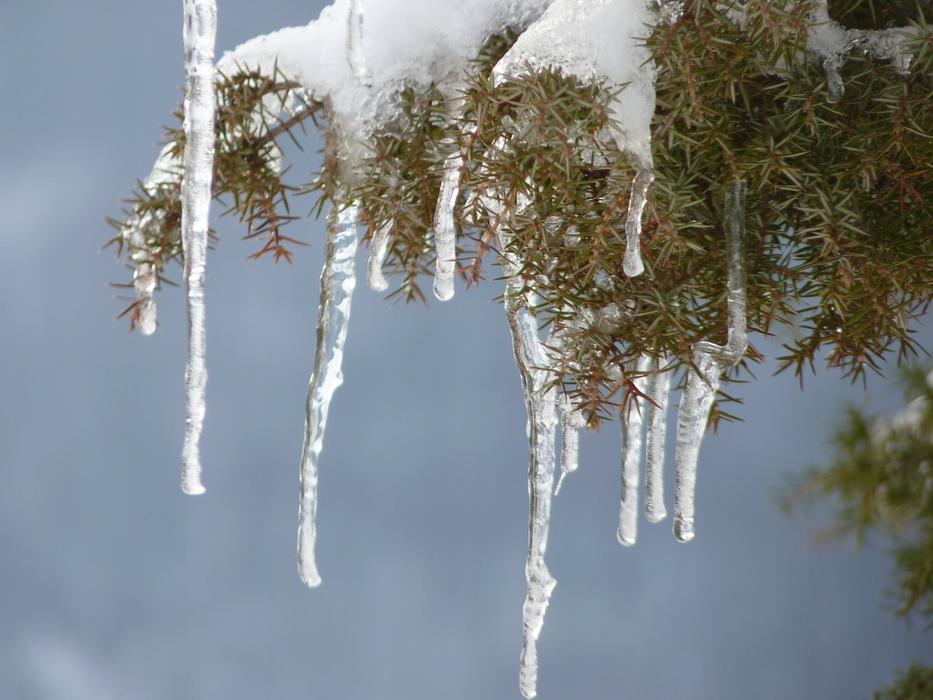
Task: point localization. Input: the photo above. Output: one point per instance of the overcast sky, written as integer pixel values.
(117, 587)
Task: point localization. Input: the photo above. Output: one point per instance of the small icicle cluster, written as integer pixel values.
(830, 42)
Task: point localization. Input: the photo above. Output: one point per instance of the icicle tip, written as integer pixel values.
(683, 531)
(443, 291)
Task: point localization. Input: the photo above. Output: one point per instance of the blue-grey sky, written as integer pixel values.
(117, 587)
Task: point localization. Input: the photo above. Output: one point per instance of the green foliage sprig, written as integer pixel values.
(255, 111)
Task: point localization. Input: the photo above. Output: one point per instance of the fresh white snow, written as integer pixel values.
(378, 251)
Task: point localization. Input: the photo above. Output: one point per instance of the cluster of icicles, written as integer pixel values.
(643, 426)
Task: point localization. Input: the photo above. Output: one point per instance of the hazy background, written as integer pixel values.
(115, 586)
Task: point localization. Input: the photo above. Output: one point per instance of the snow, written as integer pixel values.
(338, 280)
(406, 42)
(200, 28)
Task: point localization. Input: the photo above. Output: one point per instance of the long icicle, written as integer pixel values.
(200, 28)
(711, 360)
(658, 390)
(533, 362)
(632, 424)
(378, 251)
(338, 280)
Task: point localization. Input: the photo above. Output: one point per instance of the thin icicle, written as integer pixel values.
(338, 281)
(533, 362)
(711, 360)
(200, 28)
(356, 55)
(632, 264)
(632, 424)
(540, 403)
(445, 228)
(658, 389)
(571, 422)
(144, 282)
(378, 250)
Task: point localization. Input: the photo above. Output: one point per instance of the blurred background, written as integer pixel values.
(115, 586)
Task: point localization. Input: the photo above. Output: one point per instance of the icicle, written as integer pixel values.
(378, 250)
(632, 265)
(200, 27)
(533, 362)
(540, 403)
(631, 459)
(658, 389)
(144, 281)
(356, 56)
(831, 42)
(338, 281)
(571, 422)
(445, 229)
(711, 360)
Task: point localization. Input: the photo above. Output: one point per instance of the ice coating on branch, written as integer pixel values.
(571, 422)
(657, 387)
(830, 42)
(144, 282)
(338, 280)
(378, 251)
(632, 264)
(200, 28)
(711, 361)
(356, 55)
(445, 228)
(540, 403)
(632, 424)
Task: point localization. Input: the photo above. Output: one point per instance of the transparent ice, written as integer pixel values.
(200, 28)
(338, 280)
(711, 361)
